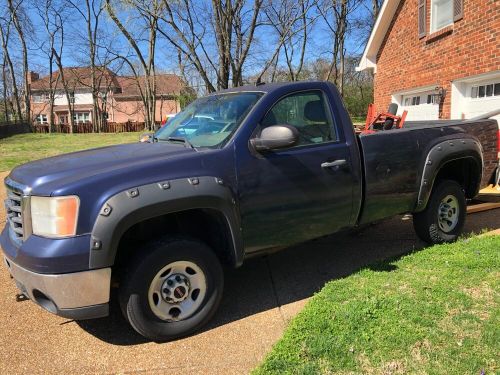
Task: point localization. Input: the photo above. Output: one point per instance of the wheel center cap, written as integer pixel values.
(179, 292)
(175, 288)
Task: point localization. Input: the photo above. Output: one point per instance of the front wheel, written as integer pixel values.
(444, 217)
(173, 290)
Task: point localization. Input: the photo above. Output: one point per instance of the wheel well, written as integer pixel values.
(206, 225)
(465, 171)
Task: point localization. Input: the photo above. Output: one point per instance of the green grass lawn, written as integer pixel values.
(22, 148)
(432, 312)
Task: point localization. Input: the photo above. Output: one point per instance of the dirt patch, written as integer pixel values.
(419, 351)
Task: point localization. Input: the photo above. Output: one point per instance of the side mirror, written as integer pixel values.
(146, 137)
(275, 137)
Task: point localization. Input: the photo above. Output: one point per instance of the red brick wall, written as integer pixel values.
(469, 47)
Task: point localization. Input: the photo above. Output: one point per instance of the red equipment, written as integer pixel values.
(384, 120)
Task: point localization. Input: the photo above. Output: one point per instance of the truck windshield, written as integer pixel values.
(209, 121)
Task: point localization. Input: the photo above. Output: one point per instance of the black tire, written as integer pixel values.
(134, 298)
(427, 223)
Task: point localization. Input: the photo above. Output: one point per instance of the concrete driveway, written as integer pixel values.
(259, 299)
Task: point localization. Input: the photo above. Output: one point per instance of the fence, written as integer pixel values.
(88, 127)
(7, 129)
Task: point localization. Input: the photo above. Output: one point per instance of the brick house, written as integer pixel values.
(119, 96)
(438, 59)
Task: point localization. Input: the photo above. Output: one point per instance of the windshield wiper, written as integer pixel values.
(180, 139)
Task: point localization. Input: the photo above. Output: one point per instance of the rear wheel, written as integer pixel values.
(173, 291)
(444, 217)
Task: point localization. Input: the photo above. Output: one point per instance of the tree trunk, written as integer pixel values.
(5, 40)
(27, 90)
(5, 93)
(66, 91)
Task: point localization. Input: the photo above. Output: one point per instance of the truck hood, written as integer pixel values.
(45, 175)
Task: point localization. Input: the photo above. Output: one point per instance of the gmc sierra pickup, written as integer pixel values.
(237, 173)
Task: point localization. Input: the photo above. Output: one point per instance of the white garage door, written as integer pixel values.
(482, 98)
(420, 106)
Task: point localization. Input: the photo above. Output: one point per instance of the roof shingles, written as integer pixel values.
(124, 86)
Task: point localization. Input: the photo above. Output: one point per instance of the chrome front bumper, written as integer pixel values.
(78, 295)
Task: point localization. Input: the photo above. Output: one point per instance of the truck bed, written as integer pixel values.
(394, 160)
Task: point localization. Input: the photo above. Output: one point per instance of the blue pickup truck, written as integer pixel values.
(238, 173)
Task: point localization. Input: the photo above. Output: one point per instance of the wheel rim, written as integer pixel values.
(177, 291)
(448, 213)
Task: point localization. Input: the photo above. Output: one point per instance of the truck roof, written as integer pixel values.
(273, 86)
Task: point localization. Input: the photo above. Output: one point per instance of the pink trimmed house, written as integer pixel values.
(120, 99)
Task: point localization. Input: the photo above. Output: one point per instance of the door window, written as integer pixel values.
(308, 112)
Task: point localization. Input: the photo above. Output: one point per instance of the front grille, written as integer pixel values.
(14, 208)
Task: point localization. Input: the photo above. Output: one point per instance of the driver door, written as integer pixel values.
(290, 195)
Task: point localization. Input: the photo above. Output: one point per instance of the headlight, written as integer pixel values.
(54, 216)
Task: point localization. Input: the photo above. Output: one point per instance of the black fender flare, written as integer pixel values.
(124, 209)
(441, 154)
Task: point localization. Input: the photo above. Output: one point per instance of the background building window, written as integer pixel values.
(81, 117)
(441, 14)
(41, 119)
(40, 97)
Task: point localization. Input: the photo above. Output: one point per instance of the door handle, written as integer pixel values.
(335, 163)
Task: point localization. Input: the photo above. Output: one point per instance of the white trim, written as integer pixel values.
(415, 90)
(384, 19)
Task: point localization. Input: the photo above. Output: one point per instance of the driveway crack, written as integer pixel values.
(275, 292)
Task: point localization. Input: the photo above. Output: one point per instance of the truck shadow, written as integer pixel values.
(296, 273)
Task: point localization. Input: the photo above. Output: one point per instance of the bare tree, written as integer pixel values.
(187, 34)
(5, 36)
(336, 15)
(5, 86)
(292, 21)
(47, 46)
(16, 10)
(193, 27)
(149, 12)
(91, 12)
(68, 83)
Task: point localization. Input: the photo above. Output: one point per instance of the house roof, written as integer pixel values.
(77, 78)
(81, 78)
(166, 84)
(385, 16)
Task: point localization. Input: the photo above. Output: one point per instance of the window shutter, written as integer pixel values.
(458, 10)
(421, 18)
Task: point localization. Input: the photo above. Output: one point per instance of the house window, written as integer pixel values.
(441, 14)
(40, 98)
(81, 117)
(72, 97)
(485, 91)
(41, 119)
